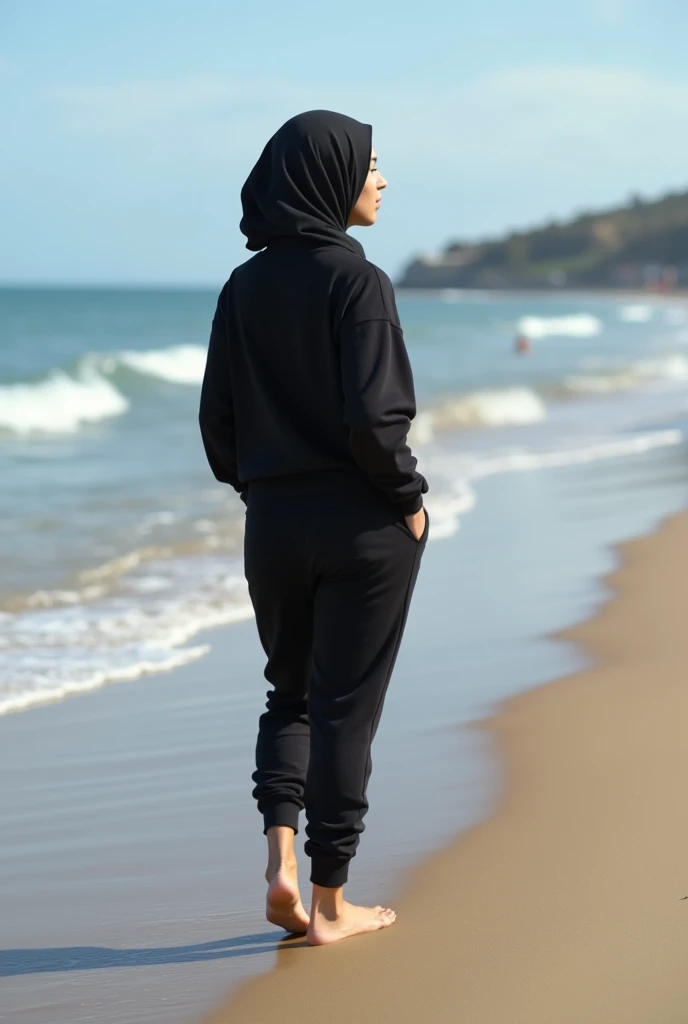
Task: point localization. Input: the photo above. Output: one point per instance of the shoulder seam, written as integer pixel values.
(379, 284)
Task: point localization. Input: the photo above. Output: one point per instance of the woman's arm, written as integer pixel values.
(216, 413)
(379, 404)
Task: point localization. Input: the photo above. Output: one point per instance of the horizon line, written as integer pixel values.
(55, 285)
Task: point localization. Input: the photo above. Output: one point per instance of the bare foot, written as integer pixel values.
(284, 907)
(348, 919)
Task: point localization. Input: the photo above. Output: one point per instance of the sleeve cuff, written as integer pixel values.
(411, 506)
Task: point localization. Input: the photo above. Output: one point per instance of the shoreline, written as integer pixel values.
(568, 902)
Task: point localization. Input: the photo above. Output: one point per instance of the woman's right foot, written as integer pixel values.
(327, 926)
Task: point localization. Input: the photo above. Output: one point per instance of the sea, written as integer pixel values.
(117, 546)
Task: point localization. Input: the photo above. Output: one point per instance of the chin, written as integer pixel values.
(363, 220)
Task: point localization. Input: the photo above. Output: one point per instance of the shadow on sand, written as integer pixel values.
(15, 962)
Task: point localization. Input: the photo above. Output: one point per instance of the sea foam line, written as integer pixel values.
(57, 691)
(152, 638)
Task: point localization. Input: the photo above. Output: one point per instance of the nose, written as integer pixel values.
(382, 182)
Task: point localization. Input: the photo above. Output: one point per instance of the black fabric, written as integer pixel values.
(307, 370)
(307, 181)
(331, 568)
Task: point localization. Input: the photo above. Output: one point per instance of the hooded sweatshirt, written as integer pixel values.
(307, 370)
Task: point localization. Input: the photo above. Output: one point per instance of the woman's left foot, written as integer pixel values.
(284, 907)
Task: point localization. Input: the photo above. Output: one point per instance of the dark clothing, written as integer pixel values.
(307, 371)
(331, 567)
(306, 404)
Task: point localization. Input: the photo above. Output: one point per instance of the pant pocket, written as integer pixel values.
(424, 536)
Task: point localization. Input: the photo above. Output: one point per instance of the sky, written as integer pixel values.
(128, 128)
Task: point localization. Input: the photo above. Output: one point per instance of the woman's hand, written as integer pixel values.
(416, 523)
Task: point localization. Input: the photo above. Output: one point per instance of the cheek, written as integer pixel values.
(371, 192)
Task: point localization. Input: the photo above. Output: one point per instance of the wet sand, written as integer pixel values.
(570, 903)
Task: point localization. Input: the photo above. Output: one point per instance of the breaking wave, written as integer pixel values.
(179, 364)
(579, 325)
(60, 403)
(63, 402)
(668, 369)
(494, 408)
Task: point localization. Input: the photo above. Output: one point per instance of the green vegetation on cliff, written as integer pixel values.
(641, 245)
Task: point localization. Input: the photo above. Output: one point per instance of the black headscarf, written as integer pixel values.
(307, 181)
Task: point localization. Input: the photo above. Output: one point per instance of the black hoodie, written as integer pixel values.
(307, 368)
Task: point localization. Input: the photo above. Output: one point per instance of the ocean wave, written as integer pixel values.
(60, 403)
(642, 313)
(123, 572)
(639, 313)
(671, 368)
(49, 683)
(579, 325)
(493, 408)
(63, 402)
(50, 652)
(594, 452)
(455, 476)
(178, 364)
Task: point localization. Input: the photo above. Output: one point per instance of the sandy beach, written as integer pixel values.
(569, 904)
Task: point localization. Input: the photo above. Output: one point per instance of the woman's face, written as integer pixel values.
(364, 212)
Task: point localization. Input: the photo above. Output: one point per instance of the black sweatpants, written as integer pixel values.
(331, 567)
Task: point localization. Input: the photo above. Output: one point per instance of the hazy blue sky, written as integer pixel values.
(128, 127)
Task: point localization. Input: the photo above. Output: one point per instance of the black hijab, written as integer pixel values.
(307, 181)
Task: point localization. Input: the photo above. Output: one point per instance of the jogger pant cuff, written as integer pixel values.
(284, 813)
(329, 872)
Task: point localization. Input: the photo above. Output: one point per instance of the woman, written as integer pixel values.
(305, 408)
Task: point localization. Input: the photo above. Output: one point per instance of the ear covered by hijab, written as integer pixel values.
(307, 181)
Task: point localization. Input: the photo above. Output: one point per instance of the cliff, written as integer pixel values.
(643, 244)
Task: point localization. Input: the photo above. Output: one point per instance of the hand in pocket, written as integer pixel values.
(416, 523)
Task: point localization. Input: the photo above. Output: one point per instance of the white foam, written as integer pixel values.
(454, 475)
(59, 404)
(594, 452)
(446, 509)
(179, 364)
(671, 368)
(579, 325)
(422, 431)
(88, 676)
(78, 641)
(62, 402)
(637, 314)
(50, 652)
(675, 316)
(497, 408)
